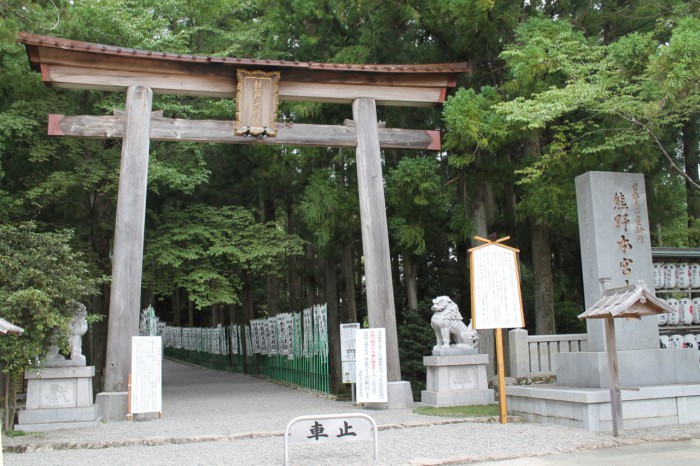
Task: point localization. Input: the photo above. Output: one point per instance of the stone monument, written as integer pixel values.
(59, 396)
(456, 373)
(615, 244)
(658, 386)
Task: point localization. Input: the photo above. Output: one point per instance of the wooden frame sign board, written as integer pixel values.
(496, 298)
(495, 286)
(146, 385)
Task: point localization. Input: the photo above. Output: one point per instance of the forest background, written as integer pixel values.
(235, 232)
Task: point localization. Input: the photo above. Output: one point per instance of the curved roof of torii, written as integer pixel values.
(82, 65)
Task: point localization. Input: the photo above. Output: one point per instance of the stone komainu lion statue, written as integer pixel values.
(447, 321)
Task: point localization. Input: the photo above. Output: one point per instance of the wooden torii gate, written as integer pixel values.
(80, 65)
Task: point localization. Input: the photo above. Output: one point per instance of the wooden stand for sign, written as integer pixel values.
(615, 398)
(129, 416)
(501, 377)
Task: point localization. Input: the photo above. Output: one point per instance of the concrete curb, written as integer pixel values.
(159, 441)
(614, 442)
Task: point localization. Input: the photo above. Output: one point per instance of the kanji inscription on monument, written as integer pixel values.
(615, 244)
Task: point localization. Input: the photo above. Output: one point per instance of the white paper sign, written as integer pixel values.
(496, 298)
(146, 375)
(347, 348)
(370, 365)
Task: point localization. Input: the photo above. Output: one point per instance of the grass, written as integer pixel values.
(459, 411)
(15, 433)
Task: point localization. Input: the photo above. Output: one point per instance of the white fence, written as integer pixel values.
(537, 355)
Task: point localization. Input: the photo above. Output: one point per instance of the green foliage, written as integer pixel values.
(459, 411)
(328, 209)
(178, 167)
(676, 63)
(545, 53)
(473, 124)
(416, 339)
(415, 190)
(127, 23)
(40, 275)
(205, 250)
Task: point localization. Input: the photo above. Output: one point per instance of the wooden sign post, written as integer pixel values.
(496, 298)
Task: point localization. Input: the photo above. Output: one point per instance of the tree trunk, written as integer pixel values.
(409, 272)
(310, 276)
(335, 364)
(101, 233)
(544, 283)
(190, 313)
(484, 208)
(177, 312)
(215, 315)
(272, 281)
(692, 160)
(293, 276)
(8, 415)
(249, 310)
(96, 341)
(349, 275)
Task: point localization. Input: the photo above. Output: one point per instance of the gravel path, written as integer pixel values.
(216, 418)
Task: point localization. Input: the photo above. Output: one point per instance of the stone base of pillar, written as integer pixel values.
(456, 380)
(113, 405)
(400, 394)
(58, 398)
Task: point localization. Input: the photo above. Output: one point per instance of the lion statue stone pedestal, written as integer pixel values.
(59, 395)
(456, 373)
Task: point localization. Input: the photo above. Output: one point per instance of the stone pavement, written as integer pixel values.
(214, 417)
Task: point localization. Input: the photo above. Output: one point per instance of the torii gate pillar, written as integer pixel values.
(375, 245)
(127, 256)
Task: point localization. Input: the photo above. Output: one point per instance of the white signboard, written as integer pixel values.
(495, 287)
(327, 429)
(347, 348)
(146, 375)
(330, 428)
(370, 365)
